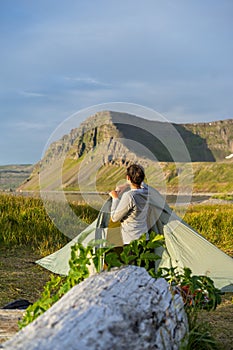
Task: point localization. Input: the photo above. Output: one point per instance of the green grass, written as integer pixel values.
(27, 234)
(220, 322)
(109, 176)
(213, 177)
(207, 177)
(24, 221)
(226, 197)
(11, 176)
(214, 222)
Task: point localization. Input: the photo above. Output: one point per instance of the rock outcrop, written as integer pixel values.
(121, 309)
(204, 141)
(218, 136)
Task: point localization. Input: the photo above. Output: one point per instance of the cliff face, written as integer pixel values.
(111, 138)
(204, 141)
(79, 141)
(217, 135)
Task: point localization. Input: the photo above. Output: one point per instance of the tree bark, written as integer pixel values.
(124, 309)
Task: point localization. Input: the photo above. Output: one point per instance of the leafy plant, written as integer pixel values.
(199, 338)
(81, 260)
(198, 292)
(58, 286)
(139, 252)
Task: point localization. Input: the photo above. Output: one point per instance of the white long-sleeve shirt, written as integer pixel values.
(132, 211)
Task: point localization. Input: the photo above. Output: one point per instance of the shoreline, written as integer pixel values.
(88, 196)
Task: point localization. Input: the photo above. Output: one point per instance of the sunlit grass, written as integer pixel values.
(214, 222)
(25, 221)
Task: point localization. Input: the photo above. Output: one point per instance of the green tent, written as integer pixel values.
(184, 246)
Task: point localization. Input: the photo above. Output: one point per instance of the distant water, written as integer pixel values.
(183, 199)
(94, 197)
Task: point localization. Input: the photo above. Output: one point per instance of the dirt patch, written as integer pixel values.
(20, 278)
(221, 322)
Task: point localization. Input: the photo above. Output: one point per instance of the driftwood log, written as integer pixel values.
(121, 309)
(9, 323)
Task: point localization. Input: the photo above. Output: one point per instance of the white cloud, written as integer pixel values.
(88, 81)
(27, 125)
(31, 93)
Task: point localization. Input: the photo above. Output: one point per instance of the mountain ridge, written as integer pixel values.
(12, 175)
(112, 138)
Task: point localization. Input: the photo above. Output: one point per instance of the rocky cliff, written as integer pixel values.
(112, 138)
(218, 136)
(204, 141)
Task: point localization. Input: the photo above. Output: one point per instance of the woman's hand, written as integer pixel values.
(113, 194)
(121, 188)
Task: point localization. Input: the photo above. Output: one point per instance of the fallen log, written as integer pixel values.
(9, 323)
(122, 309)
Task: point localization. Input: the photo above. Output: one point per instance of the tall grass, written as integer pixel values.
(214, 222)
(24, 221)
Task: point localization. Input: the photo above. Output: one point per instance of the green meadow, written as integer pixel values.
(214, 222)
(24, 221)
(27, 233)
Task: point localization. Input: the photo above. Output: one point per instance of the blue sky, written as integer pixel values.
(57, 57)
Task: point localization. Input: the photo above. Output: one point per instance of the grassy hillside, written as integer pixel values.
(11, 176)
(213, 177)
(207, 177)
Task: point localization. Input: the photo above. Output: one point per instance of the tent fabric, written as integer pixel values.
(184, 246)
(58, 262)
